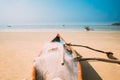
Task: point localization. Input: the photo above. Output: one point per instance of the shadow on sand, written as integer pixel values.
(88, 73)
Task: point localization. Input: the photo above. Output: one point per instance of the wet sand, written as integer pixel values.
(18, 50)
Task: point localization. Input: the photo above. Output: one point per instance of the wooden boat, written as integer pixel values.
(70, 52)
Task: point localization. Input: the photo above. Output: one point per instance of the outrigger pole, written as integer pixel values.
(97, 59)
(111, 59)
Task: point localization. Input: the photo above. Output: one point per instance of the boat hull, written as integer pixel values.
(56, 62)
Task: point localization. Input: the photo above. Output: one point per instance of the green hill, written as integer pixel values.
(116, 24)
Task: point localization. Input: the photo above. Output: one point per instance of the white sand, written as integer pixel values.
(18, 50)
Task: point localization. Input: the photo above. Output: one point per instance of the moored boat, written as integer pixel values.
(56, 62)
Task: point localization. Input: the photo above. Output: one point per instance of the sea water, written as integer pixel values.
(58, 28)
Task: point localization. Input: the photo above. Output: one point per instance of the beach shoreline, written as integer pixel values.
(54, 30)
(18, 50)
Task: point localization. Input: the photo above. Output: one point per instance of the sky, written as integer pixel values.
(35, 12)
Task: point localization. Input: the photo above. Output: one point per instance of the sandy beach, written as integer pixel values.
(18, 50)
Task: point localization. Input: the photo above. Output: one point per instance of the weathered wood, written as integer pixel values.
(78, 64)
(75, 54)
(97, 59)
(109, 54)
(34, 73)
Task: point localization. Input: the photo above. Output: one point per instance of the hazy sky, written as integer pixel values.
(59, 11)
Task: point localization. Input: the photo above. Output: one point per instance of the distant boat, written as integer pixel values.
(87, 28)
(63, 25)
(9, 26)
